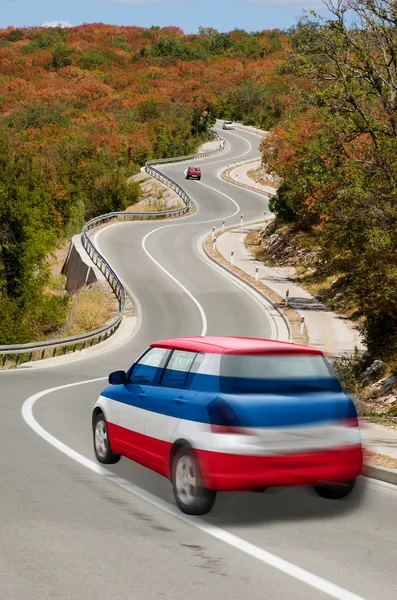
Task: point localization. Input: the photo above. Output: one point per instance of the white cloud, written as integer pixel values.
(297, 4)
(57, 24)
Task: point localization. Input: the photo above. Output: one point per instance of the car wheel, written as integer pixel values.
(102, 448)
(335, 491)
(199, 178)
(190, 494)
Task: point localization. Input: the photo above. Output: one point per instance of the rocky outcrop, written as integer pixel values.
(379, 390)
(283, 250)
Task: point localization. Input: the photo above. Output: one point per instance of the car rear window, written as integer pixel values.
(278, 373)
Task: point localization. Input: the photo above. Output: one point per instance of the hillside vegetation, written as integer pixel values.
(336, 152)
(82, 109)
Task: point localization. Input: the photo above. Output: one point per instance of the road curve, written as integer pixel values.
(72, 529)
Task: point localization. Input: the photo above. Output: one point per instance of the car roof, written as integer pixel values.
(234, 345)
(195, 168)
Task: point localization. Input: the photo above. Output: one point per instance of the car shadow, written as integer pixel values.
(280, 505)
(249, 508)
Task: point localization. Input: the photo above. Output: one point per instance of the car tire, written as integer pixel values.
(102, 448)
(335, 491)
(199, 178)
(190, 494)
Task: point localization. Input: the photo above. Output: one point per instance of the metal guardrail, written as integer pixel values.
(20, 353)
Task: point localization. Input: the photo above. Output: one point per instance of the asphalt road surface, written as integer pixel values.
(71, 529)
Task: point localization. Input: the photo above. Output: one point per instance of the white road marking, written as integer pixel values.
(318, 583)
(204, 160)
(226, 196)
(260, 300)
(156, 262)
(174, 279)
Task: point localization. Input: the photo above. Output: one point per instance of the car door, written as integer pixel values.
(168, 402)
(129, 407)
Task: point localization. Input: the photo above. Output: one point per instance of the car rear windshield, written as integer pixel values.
(275, 373)
(195, 168)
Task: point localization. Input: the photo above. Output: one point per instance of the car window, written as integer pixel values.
(194, 368)
(178, 368)
(146, 368)
(265, 373)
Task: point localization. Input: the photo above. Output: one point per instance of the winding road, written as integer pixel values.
(72, 529)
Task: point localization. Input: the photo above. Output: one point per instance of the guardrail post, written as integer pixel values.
(223, 225)
(213, 233)
(242, 220)
(214, 247)
(302, 325)
(256, 273)
(3, 362)
(232, 257)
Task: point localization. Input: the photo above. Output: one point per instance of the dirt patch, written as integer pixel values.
(260, 175)
(225, 175)
(291, 315)
(57, 261)
(388, 462)
(156, 196)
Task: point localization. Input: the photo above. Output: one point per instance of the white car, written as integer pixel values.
(228, 125)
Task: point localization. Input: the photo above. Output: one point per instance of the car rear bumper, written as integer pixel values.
(232, 472)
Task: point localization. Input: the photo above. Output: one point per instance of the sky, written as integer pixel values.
(223, 15)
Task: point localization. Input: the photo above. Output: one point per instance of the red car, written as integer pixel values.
(193, 173)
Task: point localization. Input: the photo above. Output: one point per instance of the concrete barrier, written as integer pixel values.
(78, 268)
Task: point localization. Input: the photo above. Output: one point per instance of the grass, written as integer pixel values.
(91, 308)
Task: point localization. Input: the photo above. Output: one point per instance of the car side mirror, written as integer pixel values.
(117, 378)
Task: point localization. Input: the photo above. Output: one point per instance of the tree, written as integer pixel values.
(349, 179)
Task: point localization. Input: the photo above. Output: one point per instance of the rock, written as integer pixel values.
(390, 400)
(376, 367)
(388, 385)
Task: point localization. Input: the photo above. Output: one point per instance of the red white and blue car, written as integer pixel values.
(227, 414)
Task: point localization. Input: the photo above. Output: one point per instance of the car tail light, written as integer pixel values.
(224, 420)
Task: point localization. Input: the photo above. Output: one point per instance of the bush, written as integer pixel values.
(348, 369)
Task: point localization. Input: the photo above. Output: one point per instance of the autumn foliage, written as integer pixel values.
(336, 150)
(82, 109)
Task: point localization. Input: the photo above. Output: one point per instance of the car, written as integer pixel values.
(228, 125)
(193, 173)
(230, 413)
